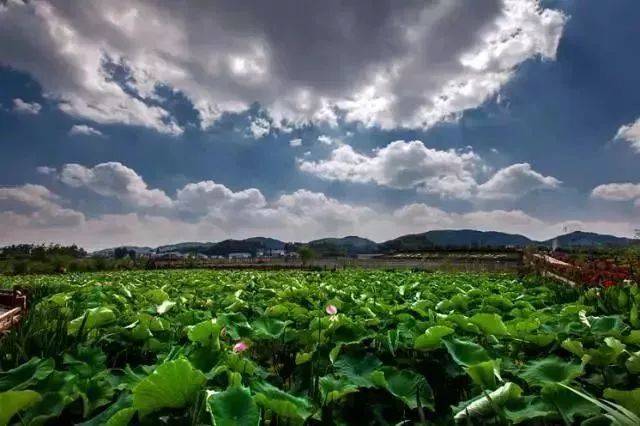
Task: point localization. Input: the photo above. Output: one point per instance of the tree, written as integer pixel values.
(120, 252)
(306, 254)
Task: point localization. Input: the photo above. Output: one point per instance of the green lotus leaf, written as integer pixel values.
(95, 318)
(332, 389)
(490, 324)
(606, 354)
(550, 370)
(123, 403)
(282, 403)
(236, 325)
(206, 333)
(11, 402)
(634, 318)
(303, 357)
(523, 325)
(487, 404)
(165, 307)
(357, 369)
(156, 296)
(233, 407)
(628, 399)
(466, 353)
(432, 337)
(499, 301)
(463, 322)
(173, 384)
(348, 331)
(633, 338)
(633, 363)
(529, 408)
(570, 405)
(573, 346)
(410, 387)
(444, 306)
(58, 390)
(484, 374)
(87, 362)
(612, 325)
(540, 340)
(25, 375)
(122, 417)
(268, 328)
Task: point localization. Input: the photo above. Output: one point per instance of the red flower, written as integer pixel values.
(608, 283)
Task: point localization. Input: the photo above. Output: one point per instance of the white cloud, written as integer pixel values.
(295, 142)
(618, 192)
(45, 170)
(328, 140)
(401, 165)
(450, 173)
(26, 107)
(515, 180)
(211, 211)
(114, 179)
(64, 49)
(630, 133)
(35, 205)
(259, 127)
(208, 197)
(83, 129)
(427, 217)
(411, 64)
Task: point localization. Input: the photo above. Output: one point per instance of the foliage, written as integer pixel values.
(243, 347)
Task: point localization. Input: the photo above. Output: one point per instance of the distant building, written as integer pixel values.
(240, 255)
(172, 255)
(275, 253)
(367, 255)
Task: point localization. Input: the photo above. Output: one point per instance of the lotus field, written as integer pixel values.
(351, 347)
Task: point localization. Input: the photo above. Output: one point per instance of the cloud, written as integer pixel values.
(407, 165)
(428, 217)
(45, 170)
(26, 107)
(400, 165)
(409, 64)
(630, 133)
(83, 129)
(259, 127)
(116, 180)
(618, 192)
(66, 50)
(35, 205)
(295, 142)
(328, 140)
(208, 210)
(515, 180)
(208, 197)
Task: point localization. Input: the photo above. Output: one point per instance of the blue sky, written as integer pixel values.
(138, 123)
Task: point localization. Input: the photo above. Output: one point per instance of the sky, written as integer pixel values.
(148, 123)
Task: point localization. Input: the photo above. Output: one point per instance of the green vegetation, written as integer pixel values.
(352, 347)
(49, 259)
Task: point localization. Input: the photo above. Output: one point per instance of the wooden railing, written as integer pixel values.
(13, 305)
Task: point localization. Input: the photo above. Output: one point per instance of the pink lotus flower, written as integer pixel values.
(240, 347)
(331, 310)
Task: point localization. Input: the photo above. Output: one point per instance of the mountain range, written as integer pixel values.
(353, 245)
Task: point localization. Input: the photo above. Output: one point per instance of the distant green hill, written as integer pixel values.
(353, 245)
(350, 245)
(464, 238)
(589, 239)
